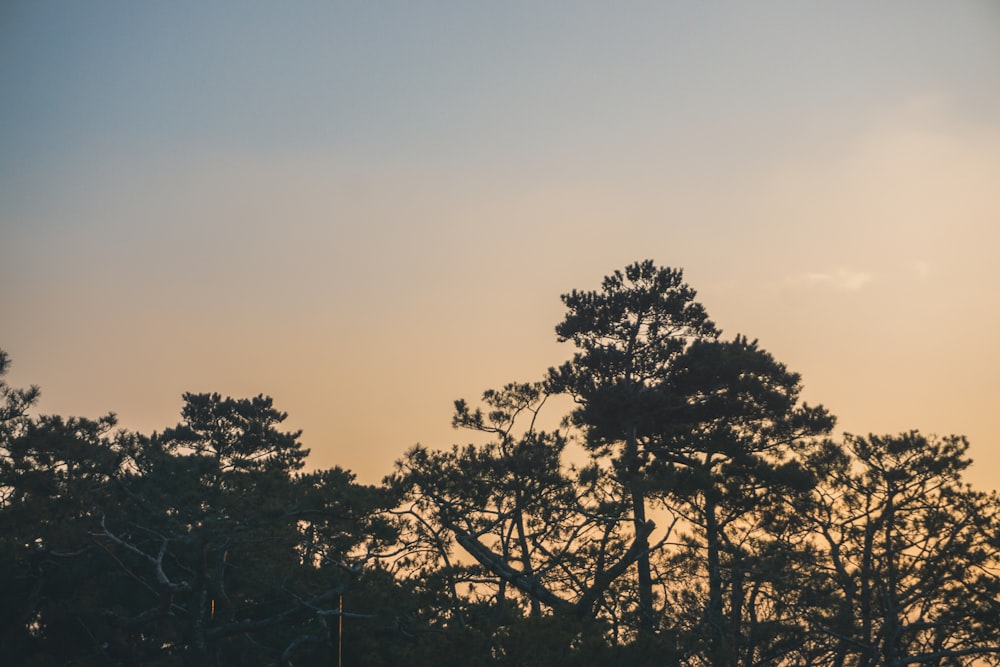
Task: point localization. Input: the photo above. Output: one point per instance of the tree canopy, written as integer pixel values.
(689, 510)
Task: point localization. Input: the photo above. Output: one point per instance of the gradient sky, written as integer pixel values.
(369, 209)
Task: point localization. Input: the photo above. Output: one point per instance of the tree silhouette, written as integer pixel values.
(210, 543)
(726, 432)
(628, 334)
(199, 546)
(909, 552)
(542, 533)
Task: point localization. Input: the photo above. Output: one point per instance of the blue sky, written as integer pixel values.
(370, 209)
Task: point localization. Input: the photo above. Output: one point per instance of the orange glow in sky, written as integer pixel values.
(367, 211)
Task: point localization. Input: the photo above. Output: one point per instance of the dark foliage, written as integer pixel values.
(690, 510)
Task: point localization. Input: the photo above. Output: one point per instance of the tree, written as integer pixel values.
(15, 402)
(57, 474)
(546, 538)
(245, 559)
(725, 433)
(910, 553)
(201, 545)
(628, 333)
(208, 543)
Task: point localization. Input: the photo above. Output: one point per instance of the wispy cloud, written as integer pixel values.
(848, 280)
(921, 268)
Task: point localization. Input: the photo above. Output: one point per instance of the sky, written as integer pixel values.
(367, 210)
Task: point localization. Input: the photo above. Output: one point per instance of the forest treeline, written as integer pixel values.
(709, 519)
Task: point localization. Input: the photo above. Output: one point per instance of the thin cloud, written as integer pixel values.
(848, 280)
(921, 268)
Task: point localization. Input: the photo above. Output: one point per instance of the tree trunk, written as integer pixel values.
(643, 569)
(714, 620)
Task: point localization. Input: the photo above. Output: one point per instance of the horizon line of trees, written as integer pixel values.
(712, 521)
